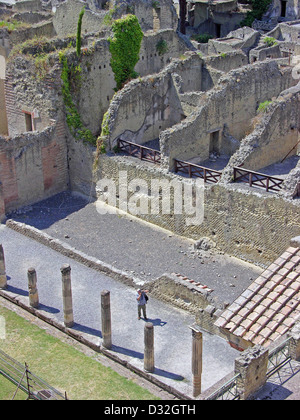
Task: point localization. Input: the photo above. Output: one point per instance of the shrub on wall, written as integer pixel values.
(259, 7)
(78, 39)
(74, 122)
(125, 48)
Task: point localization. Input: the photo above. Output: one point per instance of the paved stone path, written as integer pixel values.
(148, 252)
(173, 340)
(135, 246)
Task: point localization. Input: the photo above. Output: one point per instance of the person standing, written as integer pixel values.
(141, 298)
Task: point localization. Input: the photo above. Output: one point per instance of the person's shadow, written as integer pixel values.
(157, 322)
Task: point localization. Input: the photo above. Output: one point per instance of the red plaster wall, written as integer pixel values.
(33, 167)
(8, 178)
(2, 205)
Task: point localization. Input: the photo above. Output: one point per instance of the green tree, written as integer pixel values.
(78, 39)
(125, 48)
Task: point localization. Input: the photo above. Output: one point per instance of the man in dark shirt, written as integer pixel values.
(141, 300)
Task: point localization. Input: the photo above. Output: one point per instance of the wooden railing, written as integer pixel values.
(139, 151)
(193, 170)
(256, 179)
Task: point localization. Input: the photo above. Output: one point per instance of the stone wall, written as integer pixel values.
(184, 293)
(274, 136)
(2, 204)
(3, 117)
(151, 61)
(151, 15)
(251, 225)
(292, 9)
(231, 104)
(162, 16)
(30, 97)
(97, 79)
(33, 166)
(147, 106)
(65, 19)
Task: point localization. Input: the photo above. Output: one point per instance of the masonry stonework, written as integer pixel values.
(33, 166)
(254, 226)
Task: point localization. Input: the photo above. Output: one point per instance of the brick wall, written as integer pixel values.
(33, 166)
(15, 117)
(8, 177)
(2, 205)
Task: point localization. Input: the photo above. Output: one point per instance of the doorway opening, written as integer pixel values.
(218, 27)
(214, 144)
(28, 121)
(283, 8)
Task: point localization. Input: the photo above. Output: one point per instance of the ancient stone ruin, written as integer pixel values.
(214, 95)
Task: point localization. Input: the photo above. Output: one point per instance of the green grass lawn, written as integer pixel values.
(61, 365)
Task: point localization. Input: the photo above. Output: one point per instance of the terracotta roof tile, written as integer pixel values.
(270, 305)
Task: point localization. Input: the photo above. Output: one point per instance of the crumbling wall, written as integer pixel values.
(146, 106)
(151, 59)
(30, 96)
(65, 19)
(143, 108)
(274, 136)
(2, 204)
(97, 79)
(33, 166)
(231, 104)
(292, 10)
(152, 15)
(3, 117)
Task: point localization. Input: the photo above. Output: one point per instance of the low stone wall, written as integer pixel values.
(182, 292)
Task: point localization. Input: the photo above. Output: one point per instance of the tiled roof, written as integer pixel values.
(271, 304)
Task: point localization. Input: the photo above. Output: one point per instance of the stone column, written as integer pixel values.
(149, 347)
(33, 292)
(3, 278)
(106, 319)
(67, 295)
(252, 365)
(197, 350)
(294, 334)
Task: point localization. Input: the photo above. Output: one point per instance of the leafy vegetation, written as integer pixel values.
(162, 47)
(125, 48)
(259, 7)
(202, 38)
(269, 41)
(78, 38)
(74, 122)
(12, 25)
(263, 106)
